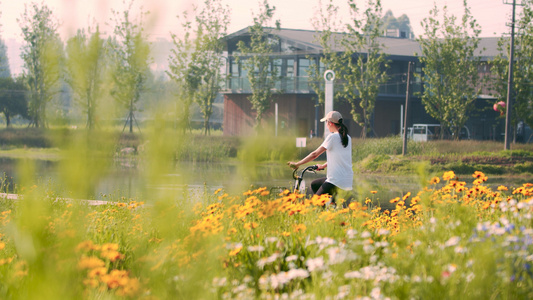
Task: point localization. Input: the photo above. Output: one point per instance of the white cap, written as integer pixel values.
(332, 116)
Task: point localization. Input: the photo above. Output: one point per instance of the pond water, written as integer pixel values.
(128, 179)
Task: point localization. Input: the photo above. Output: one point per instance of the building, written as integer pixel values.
(296, 103)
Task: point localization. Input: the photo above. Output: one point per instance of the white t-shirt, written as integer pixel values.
(339, 158)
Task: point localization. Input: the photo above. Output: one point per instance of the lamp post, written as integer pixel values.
(329, 77)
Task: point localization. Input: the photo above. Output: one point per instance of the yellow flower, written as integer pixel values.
(374, 192)
(502, 188)
(112, 255)
(300, 227)
(90, 262)
(2, 245)
(478, 174)
(448, 176)
(109, 246)
(217, 191)
(235, 251)
(97, 272)
(251, 225)
(434, 180)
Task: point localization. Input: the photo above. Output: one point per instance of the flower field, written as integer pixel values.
(453, 239)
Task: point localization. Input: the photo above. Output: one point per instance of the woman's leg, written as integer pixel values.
(317, 183)
(327, 188)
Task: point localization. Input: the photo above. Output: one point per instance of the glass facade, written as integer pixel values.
(295, 75)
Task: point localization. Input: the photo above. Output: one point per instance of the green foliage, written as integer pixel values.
(131, 54)
(389, 146)
(198, 149)
(13, 98)
(526, 167)
(266, 147)
(522, 89)
(255, 59)
(450, 67)
(325, 22)
(27, 137)
(196, 64)
(87, 70)
(5, 71)
(363, 65)
(42, 55)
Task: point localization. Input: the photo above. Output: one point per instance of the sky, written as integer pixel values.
(492, 15)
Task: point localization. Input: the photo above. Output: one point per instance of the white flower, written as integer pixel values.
(376, 293)
(291, 258)
(351, 233)
(219, 281)
(271, 239)
(453, 241)
(257, 248)
(297, 274)
(315, 264)
(460, 249)
(383, 231)
(366, 234)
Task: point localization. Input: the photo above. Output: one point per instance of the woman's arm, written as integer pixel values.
(312, 156)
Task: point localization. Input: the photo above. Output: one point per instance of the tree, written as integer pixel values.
(13, 99)
(325, 22)
(255, 59)
(42, 55)
(5, 71)
(131, 54)
(402, 23)
(450, 68)
(86, 70)
(196, 64)
(522, 107)
(363, 65)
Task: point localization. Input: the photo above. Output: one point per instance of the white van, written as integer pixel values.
(425, 132)
(428, 132)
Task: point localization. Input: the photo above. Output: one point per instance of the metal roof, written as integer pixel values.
(308, 40)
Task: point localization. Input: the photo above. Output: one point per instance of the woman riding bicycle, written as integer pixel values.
(338, 148)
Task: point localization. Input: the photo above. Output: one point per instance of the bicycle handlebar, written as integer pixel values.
(312, 168)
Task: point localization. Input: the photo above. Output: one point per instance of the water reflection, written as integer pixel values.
(127, 179)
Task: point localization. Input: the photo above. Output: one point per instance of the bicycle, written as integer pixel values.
(299, 182)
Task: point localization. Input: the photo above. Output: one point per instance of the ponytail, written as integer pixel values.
(343, 131)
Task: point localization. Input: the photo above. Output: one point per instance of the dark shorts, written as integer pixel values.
(320, 186)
